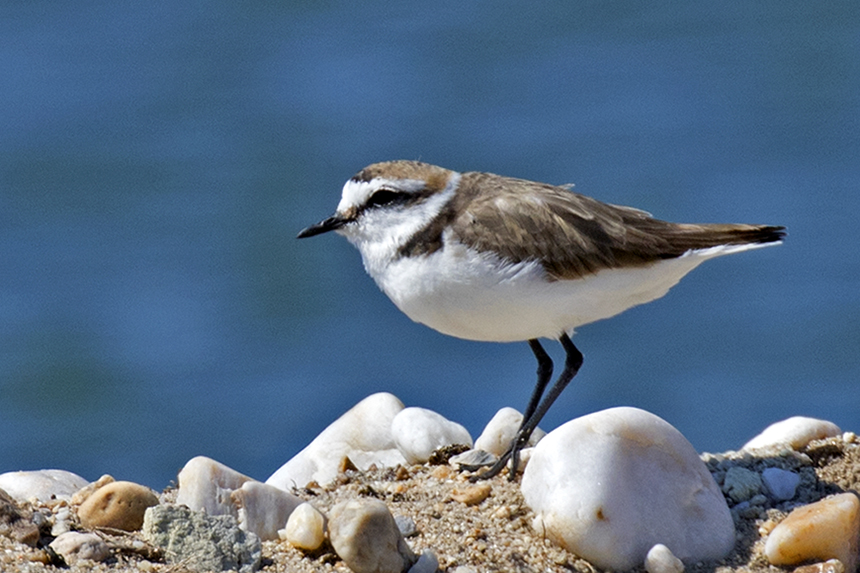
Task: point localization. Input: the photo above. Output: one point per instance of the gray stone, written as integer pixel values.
(200, 542)
(406, 525)
(741, 484)
(365, 535)
(427, 563)
(781, 484)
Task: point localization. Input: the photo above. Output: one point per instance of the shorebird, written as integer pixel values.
(486, 257)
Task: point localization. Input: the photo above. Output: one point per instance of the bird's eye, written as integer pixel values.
(386, 197)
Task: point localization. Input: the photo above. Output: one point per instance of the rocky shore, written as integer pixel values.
(791, 498)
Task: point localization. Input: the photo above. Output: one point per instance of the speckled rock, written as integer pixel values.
(741, 484)
(364, 534)
(611, 485)
(500, 431)
(210, 486)
(305, 528)
(363, 434)
(41, 485)
(74, 546)
(200, 542)
(117, 505)
(795, 432)
(418, 432)
(826, 529)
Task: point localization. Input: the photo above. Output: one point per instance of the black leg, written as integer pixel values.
(572, 363)
(544, 374)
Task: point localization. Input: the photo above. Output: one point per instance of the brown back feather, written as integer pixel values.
(572, 235)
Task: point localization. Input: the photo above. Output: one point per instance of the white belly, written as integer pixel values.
(462, 293)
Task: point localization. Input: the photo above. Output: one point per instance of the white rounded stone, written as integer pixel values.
(500, 431)
(660, 559)
(781, 484)
(363, 434)
(41, 485)
(263, 509)
(795, 432)
(73, 546)
(826, 529)
(305, 528)
(611, 485)
(419, 432)
(206, 485)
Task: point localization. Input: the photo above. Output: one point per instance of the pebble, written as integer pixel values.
(473, 494)
(212, 487)
(62, 521)
(74, 546)
(795, 432)
(406, 525)
(741, 484)
(473, 457)
(305, 528)
(826, 529)
(660, 559)
(427, 563)
(780, 484)
(611, 485)
(363, 434)
(500, 431)
(418, 432)
(41, 485)
(199, 542)
(364, 534)
(117, 505)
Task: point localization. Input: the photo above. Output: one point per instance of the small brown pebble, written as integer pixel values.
(471, 495)
(441, 472)
(401, 473)
(346, 465)
(118, 505)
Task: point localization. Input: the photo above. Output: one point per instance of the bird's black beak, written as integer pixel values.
(331, 224)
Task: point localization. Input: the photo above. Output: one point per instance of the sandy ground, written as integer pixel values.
(496, 534)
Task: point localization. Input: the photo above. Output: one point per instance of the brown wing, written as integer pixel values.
(573, 235)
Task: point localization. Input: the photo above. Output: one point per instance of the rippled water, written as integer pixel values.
(158, 159)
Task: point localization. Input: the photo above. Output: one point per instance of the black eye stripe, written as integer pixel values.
(387, 197)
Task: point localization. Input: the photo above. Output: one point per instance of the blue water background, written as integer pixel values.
(157, 160)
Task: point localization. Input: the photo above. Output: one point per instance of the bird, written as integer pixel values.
(486, 257)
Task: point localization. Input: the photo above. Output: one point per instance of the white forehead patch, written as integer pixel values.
(356, 193)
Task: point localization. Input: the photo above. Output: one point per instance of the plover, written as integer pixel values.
(486, 257)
